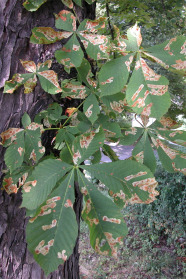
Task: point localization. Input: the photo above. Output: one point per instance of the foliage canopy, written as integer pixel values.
(113, 77)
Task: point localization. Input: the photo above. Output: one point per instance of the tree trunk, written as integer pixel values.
(16, 24)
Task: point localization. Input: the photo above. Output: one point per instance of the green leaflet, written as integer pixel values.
(71, 54)
(128, 181)
(134, 38)
(74, 89)
(147, 92)
(114, 75)
(49, 81)
(116, 102)
(85, 74)
(14, 154)
(47, 35)
(92, 25)
(65, 20)
(68, 3)
(107, 150)
(130, 135)
(91, 108)
(12, 182)
(86, 145)
(26, 121)
(43, 179)
(143, 152)
(52, 233)
(23, 145)
(78, 2)
(111, 129)
(28, 80)
(96, 46)
(33, 5)
(170, 54)
(96, 157)
(106, 224)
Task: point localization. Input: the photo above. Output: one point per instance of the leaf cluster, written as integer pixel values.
(113, 77)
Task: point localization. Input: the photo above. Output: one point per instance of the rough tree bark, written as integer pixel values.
(16, 24)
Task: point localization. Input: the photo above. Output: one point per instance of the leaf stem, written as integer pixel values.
(69, 148)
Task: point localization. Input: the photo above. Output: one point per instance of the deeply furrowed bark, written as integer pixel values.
(16, 22)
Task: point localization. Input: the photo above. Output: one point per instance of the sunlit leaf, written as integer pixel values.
(147, 92)
(170, 54)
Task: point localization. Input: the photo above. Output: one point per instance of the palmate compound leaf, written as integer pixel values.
(87, 144)
(158, 136)
(47, 78)
(33, 5)
(127, 180)
(170, 54)
(114, 75)
(52, 233)
(147, 92)
(106, 224)
(42, 180)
